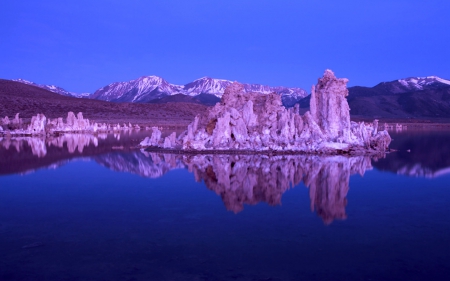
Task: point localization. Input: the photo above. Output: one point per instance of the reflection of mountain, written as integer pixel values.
(419, 154)
(145, 164)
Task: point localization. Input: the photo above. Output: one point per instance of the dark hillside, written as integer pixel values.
(205, 99)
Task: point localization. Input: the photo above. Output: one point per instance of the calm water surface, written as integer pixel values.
(85, 208)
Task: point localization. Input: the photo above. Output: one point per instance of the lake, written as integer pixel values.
(79, 207)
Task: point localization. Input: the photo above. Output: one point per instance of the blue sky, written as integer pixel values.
(84, 45)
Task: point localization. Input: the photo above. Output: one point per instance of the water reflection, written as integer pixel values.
(150, 165)
(420, 154)
(251, 179)
(238, 179)
(73, 142)
(27, 154)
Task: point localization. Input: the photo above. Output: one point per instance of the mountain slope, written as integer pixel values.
(155, 89)
(54, 89)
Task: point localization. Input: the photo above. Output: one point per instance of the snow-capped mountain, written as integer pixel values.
(54, 89)
(413, 84)
(419, 83)
(143, 89)
(149, 88)
(206, 85)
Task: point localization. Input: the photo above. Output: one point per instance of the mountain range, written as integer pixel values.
(205, 90)
(154, 89)
(413, 97)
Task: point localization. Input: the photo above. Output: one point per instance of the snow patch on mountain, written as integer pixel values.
(54, 89)
(419, 83)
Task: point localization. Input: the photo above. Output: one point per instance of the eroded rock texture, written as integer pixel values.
(251, 121)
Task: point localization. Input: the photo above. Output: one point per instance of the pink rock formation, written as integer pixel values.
(17, 122)
(37, 125)
(5, 121)
(170, 141)
(251, 121)
(154, 139)
(329, 107)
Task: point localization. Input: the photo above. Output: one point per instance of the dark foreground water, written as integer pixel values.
(89, 209)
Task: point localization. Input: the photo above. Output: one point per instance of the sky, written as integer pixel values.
(84, 45)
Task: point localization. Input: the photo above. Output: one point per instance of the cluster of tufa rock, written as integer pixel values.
(255, 122)
(40, 125)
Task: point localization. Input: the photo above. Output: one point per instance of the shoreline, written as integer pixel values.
(262, 152)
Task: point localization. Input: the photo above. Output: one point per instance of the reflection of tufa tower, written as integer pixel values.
(245, 179)
(328, 187)
(250, 179)
(328, 181)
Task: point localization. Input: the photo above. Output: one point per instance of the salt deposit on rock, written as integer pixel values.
(170, 141)
(154, 139)
(37, 125)
(255, 122)
(5, 121)
(16, 121)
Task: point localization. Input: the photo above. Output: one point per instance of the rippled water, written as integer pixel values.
(93, 208)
